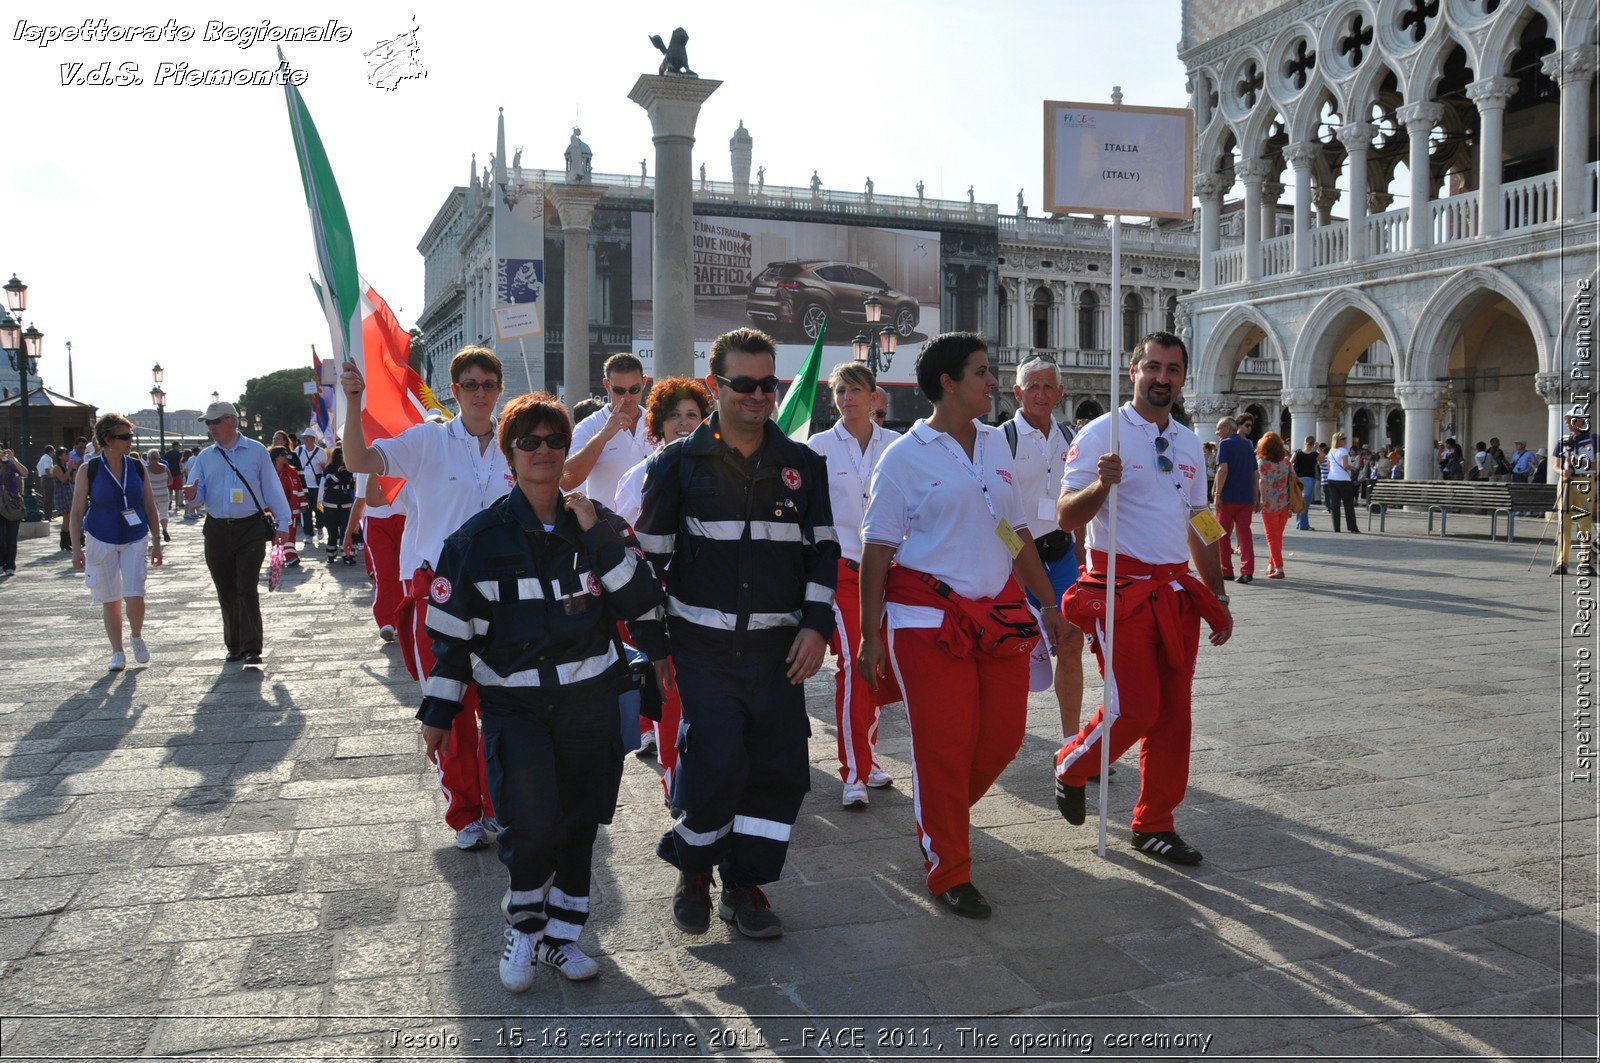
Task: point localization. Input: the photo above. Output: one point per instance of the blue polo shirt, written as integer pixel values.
(1240, 457)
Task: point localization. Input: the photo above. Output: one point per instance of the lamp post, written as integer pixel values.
(215, 397)
(876, 346)
(22, 347)
(159, 398)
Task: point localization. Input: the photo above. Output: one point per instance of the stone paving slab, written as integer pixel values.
(208, 862)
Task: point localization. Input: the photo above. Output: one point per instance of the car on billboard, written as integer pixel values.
(790, 299)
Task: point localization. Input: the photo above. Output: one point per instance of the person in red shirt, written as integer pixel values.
(294, 489)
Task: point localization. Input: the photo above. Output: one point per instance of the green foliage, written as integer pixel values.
(280, 399)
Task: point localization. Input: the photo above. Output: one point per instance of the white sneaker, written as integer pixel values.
(517, 963)
(647, 743)
(855, 796)
(470, 836)
(386, 633)
(569, 960)
(491, 825)
(119, 661)
(141, 652)
(877, 778)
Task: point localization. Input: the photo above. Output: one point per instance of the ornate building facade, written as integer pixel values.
(1440, 156)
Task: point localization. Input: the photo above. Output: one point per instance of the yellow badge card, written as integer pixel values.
(1206, 526)
(1013, 541)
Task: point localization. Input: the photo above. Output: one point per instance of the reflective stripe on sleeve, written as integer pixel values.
(721, 530)
(816, 592)
(489, 588)
(566, 673)
(619, 575)
(529, 590)
(656, 544)
(447, 689)
(824, 533)
(716, 618)
(699, 837)
(761, 828)
(775, 531)
(442, 623)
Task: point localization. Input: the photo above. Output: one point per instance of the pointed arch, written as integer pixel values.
(1442, 319)
(1428, 67)
(1324, 331)
(1214, 369)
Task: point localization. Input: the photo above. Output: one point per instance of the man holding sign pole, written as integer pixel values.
(1160, 468)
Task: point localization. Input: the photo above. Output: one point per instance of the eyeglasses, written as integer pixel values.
(746, 385)
(211, 423)
(618, 389)
(471, 387)
(126, 437)
(553, 440)
(1163, 462)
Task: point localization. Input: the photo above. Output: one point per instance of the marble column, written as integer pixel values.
(673, 104)
(1551, 387)
(1420, 401)
(1271, 193)
(1329, 415)
(1299, 157)
(1572, 69)
(575, 205)
(1491, 95)
(1357, 139)
(1419, 120)
(1208, 189)
(1303, 405)
(1324, 200)
(1252, 172)
(1205, 411)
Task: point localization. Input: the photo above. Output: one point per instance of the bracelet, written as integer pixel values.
(1057, 608)
(1223, 598)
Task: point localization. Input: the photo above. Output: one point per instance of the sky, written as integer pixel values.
(188, 197)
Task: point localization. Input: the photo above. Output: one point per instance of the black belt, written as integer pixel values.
(853, 566)
(234, 520)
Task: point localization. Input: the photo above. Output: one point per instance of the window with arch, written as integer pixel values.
(1132, 313)
(1041, 317)
(1088, 320)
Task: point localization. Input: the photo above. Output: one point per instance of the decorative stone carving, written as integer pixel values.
(1303, 398)
(1249, 170)
(1549, 386)
(1418, 114)
(1209, 186)
(1492, 92)
(1570, 66)
(1302, 154)
(580, 160)
(1419, 395)
(1357, 136)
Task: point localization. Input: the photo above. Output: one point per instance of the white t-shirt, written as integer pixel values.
(1336, 470)
(397, 508)
(1153, 507)
(1041, 462)
(940, 511)
(448, 479)
(46, 463)
(850, 479)
(313, 463)
(622, 452)
(630, 493)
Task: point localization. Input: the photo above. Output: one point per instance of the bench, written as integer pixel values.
(1444, 497)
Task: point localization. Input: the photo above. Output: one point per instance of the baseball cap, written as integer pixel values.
(218, 410)
(1579, 412)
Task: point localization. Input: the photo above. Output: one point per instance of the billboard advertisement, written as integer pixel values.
(786, 277)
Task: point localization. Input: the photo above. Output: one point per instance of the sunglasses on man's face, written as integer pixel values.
(211, 423)
(553, 440)
(618, 389)
(746, 385)
(488, 387)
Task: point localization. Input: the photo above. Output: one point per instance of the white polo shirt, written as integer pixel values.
(397, 508)
(1153, 507)
(940, 511)
(448, 480)
(1040, 463)
(623, 451)
(313, 463)
(850, 479)
(630, 493)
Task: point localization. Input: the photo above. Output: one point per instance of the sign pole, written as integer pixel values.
(526, 372)
(1112, 709)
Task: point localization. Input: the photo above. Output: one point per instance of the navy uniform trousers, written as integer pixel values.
(553, 776)
(743, 766)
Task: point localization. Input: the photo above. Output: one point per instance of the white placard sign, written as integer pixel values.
(310, 387)
(1104, 159)
(518, 320)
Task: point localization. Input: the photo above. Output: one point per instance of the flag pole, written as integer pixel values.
(526, 372)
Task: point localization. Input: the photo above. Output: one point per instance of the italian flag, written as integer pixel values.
(794, 416)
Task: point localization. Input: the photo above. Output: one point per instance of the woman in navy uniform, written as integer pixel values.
(525, 603)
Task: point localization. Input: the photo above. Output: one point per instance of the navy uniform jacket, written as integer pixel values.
(531, 616)
(747, 545)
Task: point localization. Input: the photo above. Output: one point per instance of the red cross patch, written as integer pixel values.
(592, 583)
(1004, 475)
(440, 590)
(791, 479)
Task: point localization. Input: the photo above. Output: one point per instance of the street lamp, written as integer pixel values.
(22, 348)
(876, 346)
(215, 397)
(159, 398)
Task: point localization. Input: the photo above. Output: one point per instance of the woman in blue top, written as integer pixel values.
(113, 509)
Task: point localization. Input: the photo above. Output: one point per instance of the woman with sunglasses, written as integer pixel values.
(524, 605)
(113, 510)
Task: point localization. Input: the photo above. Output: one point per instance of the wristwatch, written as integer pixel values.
(1223, 598)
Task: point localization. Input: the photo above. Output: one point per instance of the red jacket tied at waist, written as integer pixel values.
(1147, 585)
(1002, 625)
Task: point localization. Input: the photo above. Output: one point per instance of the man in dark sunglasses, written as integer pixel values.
(609, 442)
(737, 518)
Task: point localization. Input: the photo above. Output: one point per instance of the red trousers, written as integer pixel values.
(1273, 522)
(382, 538)
(1235, 516)
(462, 776)
(855, 703)
(1156, 644)
(666, 730)
(968, 716)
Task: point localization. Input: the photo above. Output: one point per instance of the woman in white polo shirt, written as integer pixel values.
(1341, 482)
(959, 631)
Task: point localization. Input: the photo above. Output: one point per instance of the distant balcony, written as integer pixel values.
(1081, 231)
(1068, 358)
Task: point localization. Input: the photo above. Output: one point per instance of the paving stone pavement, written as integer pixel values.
(205, 861)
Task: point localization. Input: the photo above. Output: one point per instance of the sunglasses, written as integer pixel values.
(618, 389)
(126, 437)
(471, 387)
(553, 440)
(746, 385)
(210, 423)
(1163, 462)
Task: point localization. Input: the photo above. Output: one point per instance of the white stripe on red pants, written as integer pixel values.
(855, 704)
(462, 776)
(382, 538)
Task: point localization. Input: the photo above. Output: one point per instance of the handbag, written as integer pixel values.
(270, 525)
(1297, 494)
(10, 501)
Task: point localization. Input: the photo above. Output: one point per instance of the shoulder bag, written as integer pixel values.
(270, 525)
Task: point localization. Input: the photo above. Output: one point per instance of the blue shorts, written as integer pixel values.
(1063, 573)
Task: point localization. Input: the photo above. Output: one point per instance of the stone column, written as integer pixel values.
(1205, 410)
(1549, 386)
(1421, 404)
(1208, 189)
(1490, 95)
(575, 204)
(1299, 157)
(740, 148)
(1252, 172)
(673, 104)
(1572, 69)
(1329, 416)
(1324, 200)
(1419, 119)
(1357, 138)
(1271, 193)
(1303, 405)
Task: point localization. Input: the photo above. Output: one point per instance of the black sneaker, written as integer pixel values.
(1246, 578)
(234, 656)
(691, 902)
(963, 899)
(1168, 846)
(747, 908)
(1069, 799)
